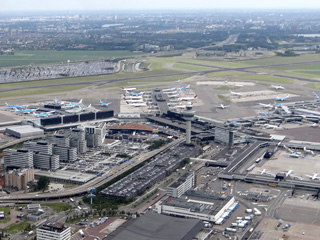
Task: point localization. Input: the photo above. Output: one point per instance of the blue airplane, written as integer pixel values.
(43, 114)
(74, 104)
(13, 106)
(26, 111)
(277, 104)
(134, 93)
(86, 108)
(104, 104)
(282, 98)
(185, 88)
(264, 113)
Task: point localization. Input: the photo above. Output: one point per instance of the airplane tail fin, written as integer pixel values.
(6, 103)
(80, 101)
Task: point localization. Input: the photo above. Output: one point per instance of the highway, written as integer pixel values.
(215, 69)
(97, 182)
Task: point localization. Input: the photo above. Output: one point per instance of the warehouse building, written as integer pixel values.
(24, 131)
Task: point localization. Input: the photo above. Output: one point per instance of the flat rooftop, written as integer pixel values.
(157, 226)
(66, 175)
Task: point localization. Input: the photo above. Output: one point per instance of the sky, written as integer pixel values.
(45, 5)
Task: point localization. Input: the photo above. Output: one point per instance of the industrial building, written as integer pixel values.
(183, 184)
(18, 178)
(53, 231)
(163, 227)
(198, 205)
(24, 131)
(21, 158)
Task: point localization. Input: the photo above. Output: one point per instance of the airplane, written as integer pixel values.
(178, 81)
(264, 113)
(294, 155)
(14, 106)
(134, 100)
(184, 88)
(277, 104)
(266, 105)
(288, 173)
(134, 93)
(282, 98)
(314, 176)
(132, 97)
(104, 104)
(270, 126)
(265, 171)
(26, 111)
(137, 104)
(47, 114)
(74, 104)
(128, 89)
(223, 106)
(314, 125)
(86, 108)
(188, 98)
(235, 93)
(277, 87)
(75, 110)
(183, 106)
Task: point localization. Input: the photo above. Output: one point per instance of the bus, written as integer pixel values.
(71, 200)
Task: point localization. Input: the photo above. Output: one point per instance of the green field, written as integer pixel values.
(191, 67)
(225, 74)
(314, 85)
(42, 57)
(7, 217)
(16, 227)
(58, 207)
(267, 78)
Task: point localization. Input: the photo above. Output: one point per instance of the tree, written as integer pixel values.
(43, 183)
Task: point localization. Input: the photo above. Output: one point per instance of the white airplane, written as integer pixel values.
(57, 101)
(223, 106)
(47, 114)
(288, 173)
(314, 176)
(188, 98)
(133, 100)
(168, 90)
(137, 104)
(183, 106)
(86, 108)
(75, 110)
(314, 125)
(178, 81)
(74, 104)
(105, 104)
(235, 93)
(173, 96)
(266, 105)
(128, 89)
(270, 126)
(277, 87)
(265, 171)
(132, 97)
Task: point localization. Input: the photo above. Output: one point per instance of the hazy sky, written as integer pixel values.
(18, 5)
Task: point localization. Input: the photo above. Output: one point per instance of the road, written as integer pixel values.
(98, 181)
(216, 69)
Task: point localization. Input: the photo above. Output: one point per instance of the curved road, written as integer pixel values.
(98, 181)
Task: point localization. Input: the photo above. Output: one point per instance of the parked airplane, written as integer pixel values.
(185, 88)
(235, 93)
(277, 104)
(223, 106)
(14, 106)
(132, 97)
(104, 104)
(277, 87)
(266, 105)
(75, 110)
(74, 104)
(128, 89)
(86, 108)
(314, 125)
(263, 171)
(294, 155)
(314, 176)
(187, 98)
(134, 93)
(270, 126)
(137, 104)
(282, 98)
(288, 173)
(183, 106)
(47, 114)
(133, 100)
(264, 113)
(25, 111)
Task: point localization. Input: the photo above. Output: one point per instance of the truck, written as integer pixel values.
(30, 233)
(242, 225)
(234, 225)
(239, 218)
(248, 217)
(81, 233)
(248, 210)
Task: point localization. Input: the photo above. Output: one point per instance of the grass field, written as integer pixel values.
(6, 211)
(314, 85)
(15, 228)
(267, 78)
(224, 98)
(225, 74)
(58, 207)
(191, 67)
(42, 57)
(39, 91)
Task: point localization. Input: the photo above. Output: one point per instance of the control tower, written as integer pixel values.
(188, 115)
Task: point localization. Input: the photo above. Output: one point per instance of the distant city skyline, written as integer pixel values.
(63, 5)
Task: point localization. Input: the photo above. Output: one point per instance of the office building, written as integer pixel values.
(46, 161)
(53, 231)
(95, 134)
(42, 147)
(18, 178)
(21, 158)
(183, 184)
(78, 140)
(59, 140)
(66, 154)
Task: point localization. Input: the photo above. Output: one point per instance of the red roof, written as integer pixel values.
(132, 126)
